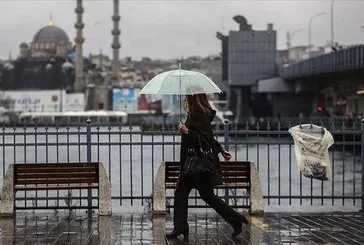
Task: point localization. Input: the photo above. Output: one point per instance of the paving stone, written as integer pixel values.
(205, 228)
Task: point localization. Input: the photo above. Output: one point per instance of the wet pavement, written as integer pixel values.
(205, 228)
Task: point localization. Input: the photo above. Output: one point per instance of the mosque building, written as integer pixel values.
(42, 63)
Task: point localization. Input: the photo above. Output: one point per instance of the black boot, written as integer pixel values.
(175, 233)
(238, 227)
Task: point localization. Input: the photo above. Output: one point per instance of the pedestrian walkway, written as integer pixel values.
(205, 228)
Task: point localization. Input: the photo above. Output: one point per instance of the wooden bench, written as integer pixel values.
(55, 176)
(235, 175)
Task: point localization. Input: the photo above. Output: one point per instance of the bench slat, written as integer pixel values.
(55, 187)
(54, 169)
(224, 186)
(176, 167)
(224, 173)
(55, 181)
(226, 182)
(235, 179)
(234, 174)
(47, 165)
(223, 168)
(234, 167)
(56, 175)
(172, 180)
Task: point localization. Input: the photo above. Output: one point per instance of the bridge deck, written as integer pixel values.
(205, 228)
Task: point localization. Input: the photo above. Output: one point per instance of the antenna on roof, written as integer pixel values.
(223, 23)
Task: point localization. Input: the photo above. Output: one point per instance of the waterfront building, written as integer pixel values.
(42, 63)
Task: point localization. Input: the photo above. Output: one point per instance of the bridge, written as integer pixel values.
(329, 84)
(341, 61)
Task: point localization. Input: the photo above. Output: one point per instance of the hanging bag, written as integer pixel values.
(199, 161)
(311, 146)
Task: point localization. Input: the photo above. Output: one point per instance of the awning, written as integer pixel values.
(273, 85)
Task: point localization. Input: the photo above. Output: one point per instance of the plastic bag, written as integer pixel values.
(311, 146)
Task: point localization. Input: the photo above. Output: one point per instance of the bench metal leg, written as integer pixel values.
(159, 194)
(104, 192)
(7, 195)
(256, 197)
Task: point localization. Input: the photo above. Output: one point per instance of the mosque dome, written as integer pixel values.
(50, 39)
(51, 34)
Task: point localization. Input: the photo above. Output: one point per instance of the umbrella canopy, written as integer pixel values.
(180, 82)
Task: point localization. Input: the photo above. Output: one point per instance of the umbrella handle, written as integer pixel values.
(180, 107)
(180, 94)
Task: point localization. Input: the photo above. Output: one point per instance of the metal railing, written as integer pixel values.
(131, 156)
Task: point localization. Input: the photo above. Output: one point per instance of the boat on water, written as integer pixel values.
(147, 119)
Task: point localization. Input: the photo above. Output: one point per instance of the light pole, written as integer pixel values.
(289, 40)
(96, 23)
(332, 22)
(309, 30)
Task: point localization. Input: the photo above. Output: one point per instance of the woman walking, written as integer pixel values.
(198, 125)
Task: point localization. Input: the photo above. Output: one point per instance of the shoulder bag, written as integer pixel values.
(199, 161)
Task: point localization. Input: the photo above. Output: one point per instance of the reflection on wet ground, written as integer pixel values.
(205, 228)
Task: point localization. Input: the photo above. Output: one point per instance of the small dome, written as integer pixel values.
(24, 45)
(67, 65)
(52, 34)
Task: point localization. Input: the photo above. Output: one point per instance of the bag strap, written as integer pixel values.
(200, 145)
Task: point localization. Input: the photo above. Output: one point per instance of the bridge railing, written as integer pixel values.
(132, 154)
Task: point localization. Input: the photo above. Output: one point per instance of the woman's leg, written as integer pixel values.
(223, 209)
(181, 194)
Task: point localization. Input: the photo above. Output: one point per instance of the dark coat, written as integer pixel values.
(201, 124)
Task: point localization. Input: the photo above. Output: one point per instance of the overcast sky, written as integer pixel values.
(171, 29)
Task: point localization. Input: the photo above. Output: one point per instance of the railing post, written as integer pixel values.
(362, 163)
(88, 149)
(226, 146)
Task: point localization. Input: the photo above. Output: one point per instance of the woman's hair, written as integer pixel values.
(198, 103)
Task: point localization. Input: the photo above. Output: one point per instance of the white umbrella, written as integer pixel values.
(180, 82)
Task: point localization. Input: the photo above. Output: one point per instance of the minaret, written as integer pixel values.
(116, 44)
(101, 60)
(79, 83)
